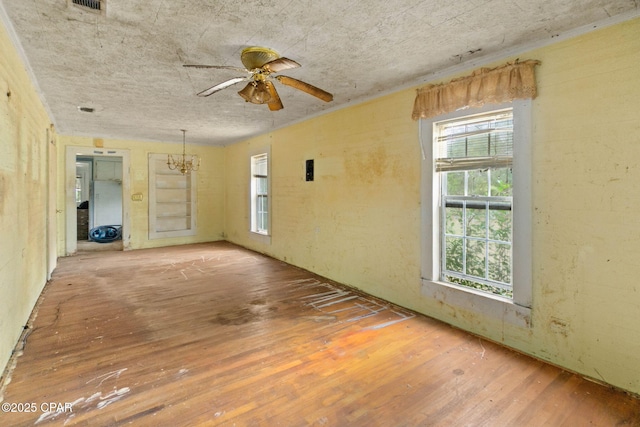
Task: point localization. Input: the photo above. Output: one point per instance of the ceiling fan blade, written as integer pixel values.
(217, 67)
(305, 87)
(280, 64)
(275, 103)
(220, 86)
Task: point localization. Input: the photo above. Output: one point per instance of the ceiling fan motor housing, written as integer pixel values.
(255, 56)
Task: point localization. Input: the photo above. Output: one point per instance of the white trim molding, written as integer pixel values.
(515, 311)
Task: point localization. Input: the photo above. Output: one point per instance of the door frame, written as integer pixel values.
(71, 216)
(52, 220)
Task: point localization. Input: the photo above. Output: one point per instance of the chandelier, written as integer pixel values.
(183, 164)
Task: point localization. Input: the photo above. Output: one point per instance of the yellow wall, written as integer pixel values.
(26, 138)
(210, 189)
(359, 221)
(586, 204)
(366, 192)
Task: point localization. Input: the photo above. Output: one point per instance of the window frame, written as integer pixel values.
(518, 309)
(255, 232)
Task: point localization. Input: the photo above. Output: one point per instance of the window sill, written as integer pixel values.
(480, 302)
(260, 237)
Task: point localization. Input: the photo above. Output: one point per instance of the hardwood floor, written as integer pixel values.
(213, 334)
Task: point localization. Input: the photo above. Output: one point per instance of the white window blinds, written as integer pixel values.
(481, 142)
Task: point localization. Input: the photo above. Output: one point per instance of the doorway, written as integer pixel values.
(99, 201)
(97, 184)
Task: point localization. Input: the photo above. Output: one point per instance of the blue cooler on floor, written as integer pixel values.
(105, 233)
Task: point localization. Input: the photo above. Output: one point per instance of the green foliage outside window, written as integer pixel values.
(478, 235)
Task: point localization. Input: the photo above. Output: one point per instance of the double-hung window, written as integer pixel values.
(474, 163)
(260, 194)
(477, 209)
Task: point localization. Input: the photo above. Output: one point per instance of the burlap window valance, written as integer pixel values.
(511, 81)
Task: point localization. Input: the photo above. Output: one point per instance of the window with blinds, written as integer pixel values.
(474, 157)
(478, 142)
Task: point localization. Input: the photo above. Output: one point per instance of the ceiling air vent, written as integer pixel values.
(97, 6)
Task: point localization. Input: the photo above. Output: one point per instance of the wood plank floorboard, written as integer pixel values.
(213, 334)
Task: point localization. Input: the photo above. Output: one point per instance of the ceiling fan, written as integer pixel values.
(260, 64)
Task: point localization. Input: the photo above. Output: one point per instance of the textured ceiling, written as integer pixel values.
(127, 64)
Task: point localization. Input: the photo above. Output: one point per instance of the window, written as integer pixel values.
(260, 194)
(78, 190)
(474, 165)
(477, 209)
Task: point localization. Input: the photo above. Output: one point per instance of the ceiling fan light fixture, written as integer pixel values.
(256, 92)
(260, 64)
